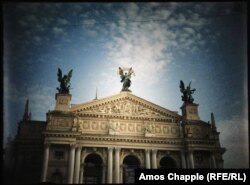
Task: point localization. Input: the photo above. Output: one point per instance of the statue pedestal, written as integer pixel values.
(190, 111)
(126, 91)
(63, 102)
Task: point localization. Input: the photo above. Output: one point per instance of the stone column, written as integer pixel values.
(147, 158)
(154, 161)
(191, 159)
(81, 174)
(121, 174)
(45, 162)
(110, 165)
(103, 173)
(71, 164)
(187, 161)
(77, 165)
(213, 161)
(183, 160)
(117, 165)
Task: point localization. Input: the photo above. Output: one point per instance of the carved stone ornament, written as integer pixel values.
(124, 107)
(113, 128)
(149, 129)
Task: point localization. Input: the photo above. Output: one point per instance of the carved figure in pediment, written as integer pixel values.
(127, 108)
(114, 126)
(149, 127)
(75, 121)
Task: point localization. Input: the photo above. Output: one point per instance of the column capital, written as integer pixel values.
(154, 151)
(191, 151)
(46, 144)
(110, 148)
(78, 147)
(117, 149)
(72, 145)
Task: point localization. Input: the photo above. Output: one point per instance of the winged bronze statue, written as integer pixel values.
(125, 77)
(187, 92)
(64, 81)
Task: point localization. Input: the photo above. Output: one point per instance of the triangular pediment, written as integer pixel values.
(124, 104)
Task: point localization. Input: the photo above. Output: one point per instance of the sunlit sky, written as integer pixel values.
(204, 43)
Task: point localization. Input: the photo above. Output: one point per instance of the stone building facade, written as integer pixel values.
(104, 140)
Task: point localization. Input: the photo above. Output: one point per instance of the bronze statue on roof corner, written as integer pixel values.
(64, 81)
(125, 77)
(187, 93)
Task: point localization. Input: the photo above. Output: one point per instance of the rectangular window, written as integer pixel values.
(59, 154)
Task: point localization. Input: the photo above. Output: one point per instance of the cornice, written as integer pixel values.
(61, 134)
(124, 117)
(133, 140)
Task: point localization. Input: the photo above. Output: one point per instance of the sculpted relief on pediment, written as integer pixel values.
(124, 107)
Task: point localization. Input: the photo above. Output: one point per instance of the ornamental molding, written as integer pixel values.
(61, 134)
(127, 128)
(79, 138)
(132, 140)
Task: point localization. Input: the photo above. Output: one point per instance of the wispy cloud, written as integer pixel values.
(144, 39)
(62, 21)
(58, 30)
(234, 137)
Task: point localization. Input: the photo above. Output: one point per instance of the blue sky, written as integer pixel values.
(164, 43)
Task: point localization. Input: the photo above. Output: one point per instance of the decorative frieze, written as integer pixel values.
(59, 123)
(197, 131)
(127, 127)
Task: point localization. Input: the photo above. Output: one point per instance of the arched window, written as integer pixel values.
(56, 177)
(167, 162)
(92, 169)
(130, 163)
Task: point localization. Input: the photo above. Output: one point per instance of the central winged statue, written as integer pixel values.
(64, 81)
(125, 77)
